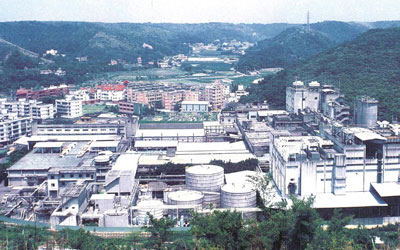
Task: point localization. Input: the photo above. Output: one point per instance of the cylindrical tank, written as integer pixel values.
(212, 198)
(367, 112)
(184, 197)
(239, 196)
(149, 206)
(208, 178)
(102, 159)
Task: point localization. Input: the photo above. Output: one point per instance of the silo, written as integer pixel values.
(184, 197)
(152, 207)
(239, 196)
(367, 112)
(205, 178)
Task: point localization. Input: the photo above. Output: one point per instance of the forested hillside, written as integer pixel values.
(103, 41)
(296, 44)
(368, 65)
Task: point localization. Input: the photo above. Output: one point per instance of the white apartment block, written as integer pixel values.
(12, 128)
(43, 111)
(69, 108)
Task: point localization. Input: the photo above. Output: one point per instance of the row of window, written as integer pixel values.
(71, 176)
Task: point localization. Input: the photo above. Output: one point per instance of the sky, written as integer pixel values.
(199, 11)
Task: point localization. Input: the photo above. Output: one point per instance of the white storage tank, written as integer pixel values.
(102, 159)
(239, 196)
(184, 197)
(152, 207)
(212, 198)
(208, 178)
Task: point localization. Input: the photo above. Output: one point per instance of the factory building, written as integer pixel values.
(326, 100)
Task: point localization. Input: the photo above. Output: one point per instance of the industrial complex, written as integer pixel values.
(114, 170)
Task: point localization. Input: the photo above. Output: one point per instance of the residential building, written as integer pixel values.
(43, 111)
(69, 108)
(60, 90)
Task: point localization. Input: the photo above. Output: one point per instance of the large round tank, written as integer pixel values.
(149, 206)
(184, 197)
(208, 178)
(239, 196)
(212, 198)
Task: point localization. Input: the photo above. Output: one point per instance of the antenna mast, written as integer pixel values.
(308, 29)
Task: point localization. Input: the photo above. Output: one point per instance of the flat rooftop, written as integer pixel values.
(171, 126)
(50, 144)
(194, 103)
(388, 189)
(39, 161)
(348, 200)
(104, 144)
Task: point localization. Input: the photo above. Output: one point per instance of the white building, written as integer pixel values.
(69, 108)
(194, 106)
(43, 111)
(13, 127)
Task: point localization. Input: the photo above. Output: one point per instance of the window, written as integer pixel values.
(87, 175)
(52, 177)
(71, 175)
(80, 175)
(53, 185)
(62, 175)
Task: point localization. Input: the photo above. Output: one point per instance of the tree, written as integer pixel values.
(160, 231)
(219, 230)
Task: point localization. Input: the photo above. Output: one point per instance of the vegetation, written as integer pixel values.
(296, 44)
(368, 65)
(229, 167)
(291, 46)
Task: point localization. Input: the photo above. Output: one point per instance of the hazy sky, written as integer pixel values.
(195, 11)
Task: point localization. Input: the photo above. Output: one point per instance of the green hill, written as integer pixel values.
(368, 65)
(296, 44)
(290, 46)
(105, 41)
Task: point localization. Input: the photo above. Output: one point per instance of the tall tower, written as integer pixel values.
(308, 28)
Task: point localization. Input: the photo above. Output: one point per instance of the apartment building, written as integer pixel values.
(13, 127)
(60, 90)
(69, 108)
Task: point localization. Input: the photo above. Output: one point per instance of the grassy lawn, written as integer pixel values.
(92, 108)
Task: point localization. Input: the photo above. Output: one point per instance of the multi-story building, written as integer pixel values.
(110, 92)
(13, 127)
(69, 108)
(325, 99)
(60, 90)
(43, 111)
(214, 94)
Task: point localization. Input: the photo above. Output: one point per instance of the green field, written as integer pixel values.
(92, 108)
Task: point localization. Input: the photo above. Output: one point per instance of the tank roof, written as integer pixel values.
(185, 195)
(150, 203)
(237, 188)
(205, 169)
